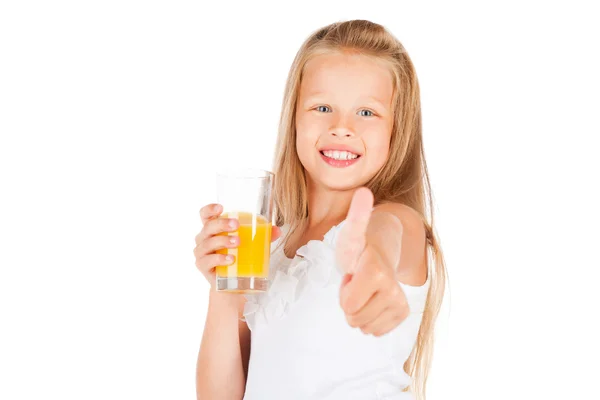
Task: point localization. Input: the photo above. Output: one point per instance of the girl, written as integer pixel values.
(350, 310)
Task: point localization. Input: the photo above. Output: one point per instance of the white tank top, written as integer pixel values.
(301, 344)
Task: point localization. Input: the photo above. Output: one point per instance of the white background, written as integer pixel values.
(114, 115)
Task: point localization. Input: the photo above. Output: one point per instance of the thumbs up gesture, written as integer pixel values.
(370, 295)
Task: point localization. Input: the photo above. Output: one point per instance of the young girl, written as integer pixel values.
(353, 297)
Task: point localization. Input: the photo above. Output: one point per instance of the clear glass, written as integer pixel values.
(247, 195)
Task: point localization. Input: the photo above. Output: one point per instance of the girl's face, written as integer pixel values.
(344, 120)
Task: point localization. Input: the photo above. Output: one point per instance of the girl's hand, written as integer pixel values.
(370, 296)
(208, 241)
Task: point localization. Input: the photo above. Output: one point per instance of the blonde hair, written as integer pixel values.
(404, 177)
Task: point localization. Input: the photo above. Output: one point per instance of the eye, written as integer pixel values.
(369, 113)
(322, 108)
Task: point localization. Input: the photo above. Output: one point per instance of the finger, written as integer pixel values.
(207, 263)
(210, 211)
(214, 243)
(355, 295)
(275, 233)
(370, 311)
(216, 226)
(388, 320)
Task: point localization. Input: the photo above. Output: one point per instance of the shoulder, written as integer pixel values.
(412, 267)
(411, 219)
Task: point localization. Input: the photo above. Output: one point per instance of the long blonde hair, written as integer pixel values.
(403, 179)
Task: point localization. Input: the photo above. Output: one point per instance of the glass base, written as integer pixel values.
(242, 284)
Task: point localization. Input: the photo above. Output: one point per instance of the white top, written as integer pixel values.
(302, 346)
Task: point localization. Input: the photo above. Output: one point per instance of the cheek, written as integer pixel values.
(306, 126)
(307, 135)
(382, 156)
(303, 146)
(379, 145)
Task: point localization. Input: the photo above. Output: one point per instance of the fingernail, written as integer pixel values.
(233, 224)
(229, 258)
(216, 208)
(233, 240)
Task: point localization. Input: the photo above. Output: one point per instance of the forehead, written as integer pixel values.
(347, 74)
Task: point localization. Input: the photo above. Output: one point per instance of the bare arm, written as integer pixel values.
(225, 348)
(379, 249)
(398, 234)
(224, 352)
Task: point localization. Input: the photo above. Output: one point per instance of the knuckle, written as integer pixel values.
(204, 215)
(399, 298)
(398, 316)
(224, 224)
(397, 321)
(220, 241)
(404, 312)
(378, 276)
(395, 293)
(343, 299)
(209, 210)
(202, 247)
(198, 252)
(211, 261)
(212, 241)
(352, 321)
(210, 228)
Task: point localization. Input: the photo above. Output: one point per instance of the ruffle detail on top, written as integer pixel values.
(287, 283)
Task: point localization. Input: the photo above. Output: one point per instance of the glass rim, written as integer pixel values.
(244, 173)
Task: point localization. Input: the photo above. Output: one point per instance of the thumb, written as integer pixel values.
(352, 237)
(359, 213)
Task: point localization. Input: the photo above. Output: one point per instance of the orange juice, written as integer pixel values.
(252, 254)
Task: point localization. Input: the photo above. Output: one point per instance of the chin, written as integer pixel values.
(338, 182)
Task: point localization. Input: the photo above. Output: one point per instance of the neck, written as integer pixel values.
(326, 206)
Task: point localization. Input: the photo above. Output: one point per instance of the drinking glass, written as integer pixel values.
(246, 195)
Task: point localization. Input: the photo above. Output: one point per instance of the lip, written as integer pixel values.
(340, 147)
(338, 163)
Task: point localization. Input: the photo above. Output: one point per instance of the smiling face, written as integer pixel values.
(344, 119)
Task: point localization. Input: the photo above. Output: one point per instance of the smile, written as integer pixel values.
(339, 159)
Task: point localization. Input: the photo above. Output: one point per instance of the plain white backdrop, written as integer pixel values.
(115, 114)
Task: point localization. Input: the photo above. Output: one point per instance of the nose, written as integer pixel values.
(342, 132)
(342, 128)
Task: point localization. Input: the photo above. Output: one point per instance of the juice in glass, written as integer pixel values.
(252, 254)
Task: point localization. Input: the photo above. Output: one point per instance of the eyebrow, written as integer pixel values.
(316, 94)
(376, 101)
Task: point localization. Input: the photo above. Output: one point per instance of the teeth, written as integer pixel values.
(340, 155)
